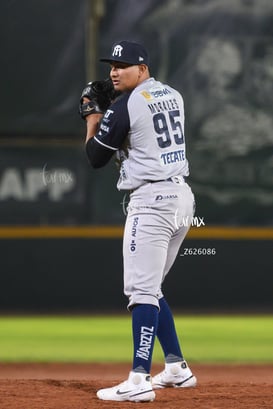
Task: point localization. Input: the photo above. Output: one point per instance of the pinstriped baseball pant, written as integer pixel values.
(154, 231)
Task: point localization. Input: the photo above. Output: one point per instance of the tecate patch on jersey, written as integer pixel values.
(172, 157)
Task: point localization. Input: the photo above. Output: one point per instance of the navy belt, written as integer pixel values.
(171, 179)
(161, 180)
(156, 181)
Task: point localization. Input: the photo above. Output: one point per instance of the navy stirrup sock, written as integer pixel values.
(144, 322)
(167, 335)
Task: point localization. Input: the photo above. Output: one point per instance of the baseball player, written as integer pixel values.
(143, 125)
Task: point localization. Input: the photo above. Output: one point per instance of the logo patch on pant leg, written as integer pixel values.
(133, 243)
(161, 197)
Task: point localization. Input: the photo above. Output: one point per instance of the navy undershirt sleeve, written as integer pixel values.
(113, 130)
(97, 154)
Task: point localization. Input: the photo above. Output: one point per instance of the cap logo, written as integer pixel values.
(140, 58)
(117, 51)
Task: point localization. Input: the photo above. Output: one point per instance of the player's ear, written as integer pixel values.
(142, 68)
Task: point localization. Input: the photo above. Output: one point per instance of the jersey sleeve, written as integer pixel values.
(112, 132)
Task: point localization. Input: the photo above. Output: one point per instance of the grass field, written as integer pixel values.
(205, 339)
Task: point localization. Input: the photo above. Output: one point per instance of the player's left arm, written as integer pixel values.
(98, 154)
(106, 134)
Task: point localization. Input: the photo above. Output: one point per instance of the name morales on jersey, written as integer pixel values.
(172, 157)
(161, 106)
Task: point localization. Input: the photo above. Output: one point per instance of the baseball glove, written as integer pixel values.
(100, 94)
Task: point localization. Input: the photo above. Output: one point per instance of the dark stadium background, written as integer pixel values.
(61, 222)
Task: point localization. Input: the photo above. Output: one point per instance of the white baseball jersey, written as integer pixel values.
(146, 129)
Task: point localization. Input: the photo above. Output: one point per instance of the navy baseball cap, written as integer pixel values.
(128, 52)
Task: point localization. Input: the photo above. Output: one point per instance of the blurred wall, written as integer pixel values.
(85, 275)
(220, 56)
(42, 69)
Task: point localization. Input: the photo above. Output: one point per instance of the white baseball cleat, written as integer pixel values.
(175, 375)
(137, 388)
